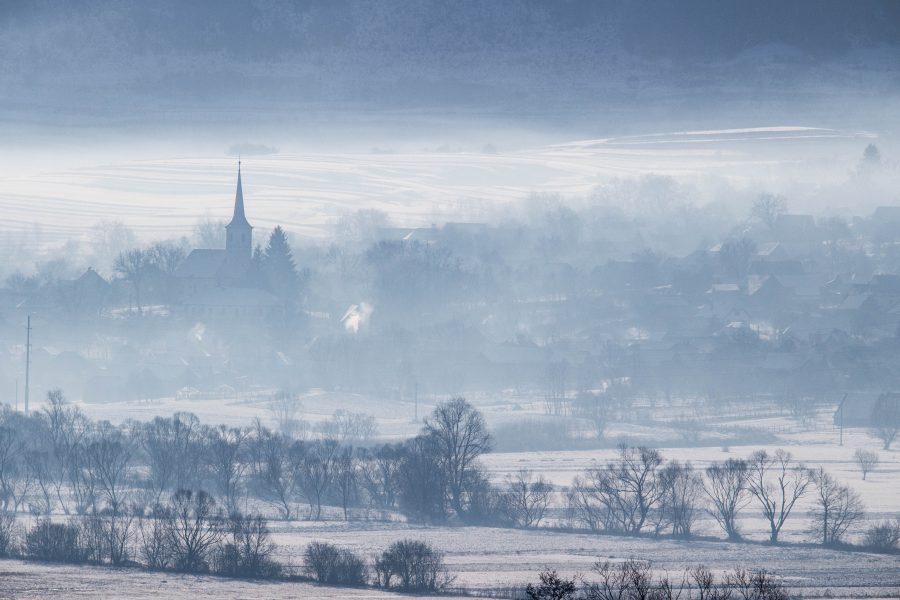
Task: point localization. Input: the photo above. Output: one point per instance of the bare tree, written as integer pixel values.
(777, 482)
(317, 472)
(131, 265)
(837, 508)
(285, 407)
(165, 256)
(173, 451)
(66, 429)
(767, 208)
(526, 499)
(555, 397)
(380, 470)
(349, 428)
(886, 419)
(637, 478)
(346, 477)
(109, 456)
(193, 528)
(726, 487)
(461, 435)
(118, 532)
(40, 465)
(867, 460)
(226, 449)
(619, 495)
(109, 239)
(274, 465)
(595, 408)
(154, 547)
(12, 467)
(209, 233)
(679, 502)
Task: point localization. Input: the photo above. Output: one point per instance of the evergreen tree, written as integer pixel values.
(278, 268)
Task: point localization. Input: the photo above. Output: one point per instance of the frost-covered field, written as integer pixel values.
(816, 447)
(485, 558)
(306, 193)
(21, 580)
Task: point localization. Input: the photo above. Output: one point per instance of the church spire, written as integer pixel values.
(238, 218)
(239, 233)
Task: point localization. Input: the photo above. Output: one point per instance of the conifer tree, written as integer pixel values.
(278, 268)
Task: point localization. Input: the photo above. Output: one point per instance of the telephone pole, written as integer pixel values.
(27, 362)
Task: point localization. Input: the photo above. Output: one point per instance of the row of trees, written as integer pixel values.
(189, 533)
(640, 492)
(58, 460)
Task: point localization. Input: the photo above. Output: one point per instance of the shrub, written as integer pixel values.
(154, 546)
(9, 535)
(884, 537)
(412, 566)
(327, 563)
(55, 542)
(247, 553)
(551, 587)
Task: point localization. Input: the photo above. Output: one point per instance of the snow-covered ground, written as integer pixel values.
(493, 558)
(38, 581)
(485, 558)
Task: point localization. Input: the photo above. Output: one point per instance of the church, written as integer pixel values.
(217, 283)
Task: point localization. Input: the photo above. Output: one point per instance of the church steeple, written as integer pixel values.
(238, 233)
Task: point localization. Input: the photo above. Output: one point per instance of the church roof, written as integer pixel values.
(202, 264)
(238, 219)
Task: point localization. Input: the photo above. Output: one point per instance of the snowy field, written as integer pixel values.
(816, 447)
(34, 581)
(306, 193)
(487, 558)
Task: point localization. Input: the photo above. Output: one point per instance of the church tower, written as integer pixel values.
(239, 233)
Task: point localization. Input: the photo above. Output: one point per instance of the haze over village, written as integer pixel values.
(513, 300)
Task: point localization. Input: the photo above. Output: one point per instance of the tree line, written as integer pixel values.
(58, 460)
(640, 492)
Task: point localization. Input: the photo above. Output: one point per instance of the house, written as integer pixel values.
(88, 293)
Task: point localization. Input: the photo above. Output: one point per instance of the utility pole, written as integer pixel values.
(841, 418)
(27, 363)
(416, 398)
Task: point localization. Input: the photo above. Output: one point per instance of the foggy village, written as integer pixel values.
(395, 299)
